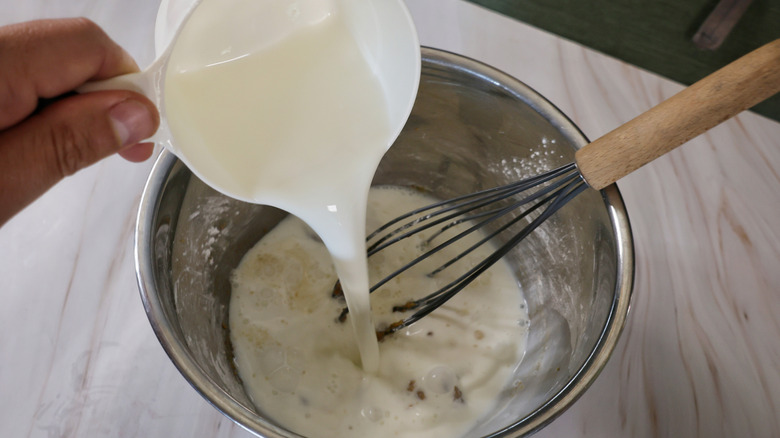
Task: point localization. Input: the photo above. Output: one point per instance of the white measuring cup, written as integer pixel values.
(383, 30)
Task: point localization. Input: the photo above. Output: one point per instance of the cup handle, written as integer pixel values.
(147, 83)
(138, 82)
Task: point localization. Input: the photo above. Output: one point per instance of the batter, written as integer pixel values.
(302, 368)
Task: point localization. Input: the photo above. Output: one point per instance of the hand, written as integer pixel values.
(40, 146)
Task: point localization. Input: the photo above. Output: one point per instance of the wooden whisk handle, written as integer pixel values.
(694, 110)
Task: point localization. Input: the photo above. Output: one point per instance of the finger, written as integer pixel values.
(138, 152)
(47, 58)
(67, 136)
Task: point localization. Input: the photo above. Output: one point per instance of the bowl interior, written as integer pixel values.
(471, 128)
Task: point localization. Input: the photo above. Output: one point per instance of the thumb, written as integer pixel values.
(65, 137)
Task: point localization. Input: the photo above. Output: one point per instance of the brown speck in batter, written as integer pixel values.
(458, 395)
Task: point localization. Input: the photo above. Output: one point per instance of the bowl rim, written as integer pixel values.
(555, 406)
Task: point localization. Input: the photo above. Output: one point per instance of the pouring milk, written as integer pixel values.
(291, 103)
(300, 124)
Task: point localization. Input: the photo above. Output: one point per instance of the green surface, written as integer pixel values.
(652, 34)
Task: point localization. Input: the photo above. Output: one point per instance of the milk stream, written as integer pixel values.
(300, 124)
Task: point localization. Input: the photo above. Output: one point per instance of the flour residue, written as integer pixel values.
(543, 157)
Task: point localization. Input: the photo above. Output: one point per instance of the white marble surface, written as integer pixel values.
(700, 355)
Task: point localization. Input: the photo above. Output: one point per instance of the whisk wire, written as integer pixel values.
(496, 214)
(554, 189)
(490, 236)
(458, 205)
(433, 301)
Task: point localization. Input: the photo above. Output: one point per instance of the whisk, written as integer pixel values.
(696, 109)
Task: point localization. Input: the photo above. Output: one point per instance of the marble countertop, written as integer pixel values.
(699, 356)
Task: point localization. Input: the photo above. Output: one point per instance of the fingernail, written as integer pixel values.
(132, 121)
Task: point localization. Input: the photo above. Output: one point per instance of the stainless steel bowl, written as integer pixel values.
(472, 127)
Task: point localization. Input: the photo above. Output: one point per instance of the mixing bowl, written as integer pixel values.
(472, 127)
